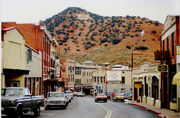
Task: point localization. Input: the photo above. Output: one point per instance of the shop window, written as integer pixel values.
(174, 93)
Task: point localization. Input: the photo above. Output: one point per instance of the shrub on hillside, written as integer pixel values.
(141, 48)
(103, 40)
(154, 31)
(79, 34)
(128, 47)
(115, 40)
(156, 23)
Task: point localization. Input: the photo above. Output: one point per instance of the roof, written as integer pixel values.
(11, 28)
(29, 31)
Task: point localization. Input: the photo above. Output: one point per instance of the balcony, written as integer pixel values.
(161, 55)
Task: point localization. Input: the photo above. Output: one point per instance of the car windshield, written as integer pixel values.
(120, 94)
(128, 94)
(109, 93)
(56, 95)
(12, 92)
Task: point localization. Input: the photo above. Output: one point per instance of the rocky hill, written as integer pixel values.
(83, 35)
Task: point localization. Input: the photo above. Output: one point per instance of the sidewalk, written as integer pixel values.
(164, 113)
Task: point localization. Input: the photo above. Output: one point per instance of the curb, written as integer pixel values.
(151, 110)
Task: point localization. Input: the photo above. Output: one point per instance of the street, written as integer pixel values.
(86, 107)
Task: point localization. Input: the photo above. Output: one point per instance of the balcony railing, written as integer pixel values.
(161, 55)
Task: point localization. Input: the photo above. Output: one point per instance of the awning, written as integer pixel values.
(176, 79)
(15, 71)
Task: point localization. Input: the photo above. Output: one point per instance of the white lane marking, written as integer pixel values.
(109, 112)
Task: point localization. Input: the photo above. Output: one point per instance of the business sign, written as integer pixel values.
(163, 68)
(113, 75)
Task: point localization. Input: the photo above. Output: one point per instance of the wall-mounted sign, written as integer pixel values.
(163, 68)
(113, 75)
(138, 85)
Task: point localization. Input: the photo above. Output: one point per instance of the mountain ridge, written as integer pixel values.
(83, 35)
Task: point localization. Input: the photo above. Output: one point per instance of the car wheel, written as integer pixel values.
(37, 111)
(46, 107)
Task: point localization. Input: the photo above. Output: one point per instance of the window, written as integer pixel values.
(29, 55)
(172, 43)
(123, 80)
(78, 71)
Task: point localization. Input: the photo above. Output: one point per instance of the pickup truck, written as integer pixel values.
(17, 100)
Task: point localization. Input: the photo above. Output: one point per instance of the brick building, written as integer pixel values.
(170, 41)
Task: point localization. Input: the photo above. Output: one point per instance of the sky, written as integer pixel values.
(32, 11)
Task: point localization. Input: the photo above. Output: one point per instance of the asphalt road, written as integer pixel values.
(86, 107)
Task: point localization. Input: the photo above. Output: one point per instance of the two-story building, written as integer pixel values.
(13, 57)
(34, 64)
(118, 78)
(169, 56)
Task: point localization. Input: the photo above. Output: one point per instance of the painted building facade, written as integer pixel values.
(33, 63)
(13, 48)
(118, 79)
(147, 84)
(98, 81)
(70, 69)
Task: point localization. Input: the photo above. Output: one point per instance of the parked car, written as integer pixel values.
(75, 93)
(101, 97)
(80, 94)
(119, 97)
(17, 100)
(108, 94)
(56, 99)
(68, 96)
(128, 96)
(70, 93)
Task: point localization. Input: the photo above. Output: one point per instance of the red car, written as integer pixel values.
(101, 97)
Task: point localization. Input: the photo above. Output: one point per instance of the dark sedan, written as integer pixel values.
(101, 97)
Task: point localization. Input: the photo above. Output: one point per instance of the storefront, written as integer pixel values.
(147, 82)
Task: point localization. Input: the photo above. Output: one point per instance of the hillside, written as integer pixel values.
(83, 35)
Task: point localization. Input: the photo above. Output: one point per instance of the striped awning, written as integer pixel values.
(176, 79)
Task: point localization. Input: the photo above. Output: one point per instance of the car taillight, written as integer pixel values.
(98, 97)
(105, 97)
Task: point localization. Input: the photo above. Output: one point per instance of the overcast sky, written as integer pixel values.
(32, 11)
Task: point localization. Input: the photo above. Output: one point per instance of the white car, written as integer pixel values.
(80, 94)
(56, 99)
(70, 94)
